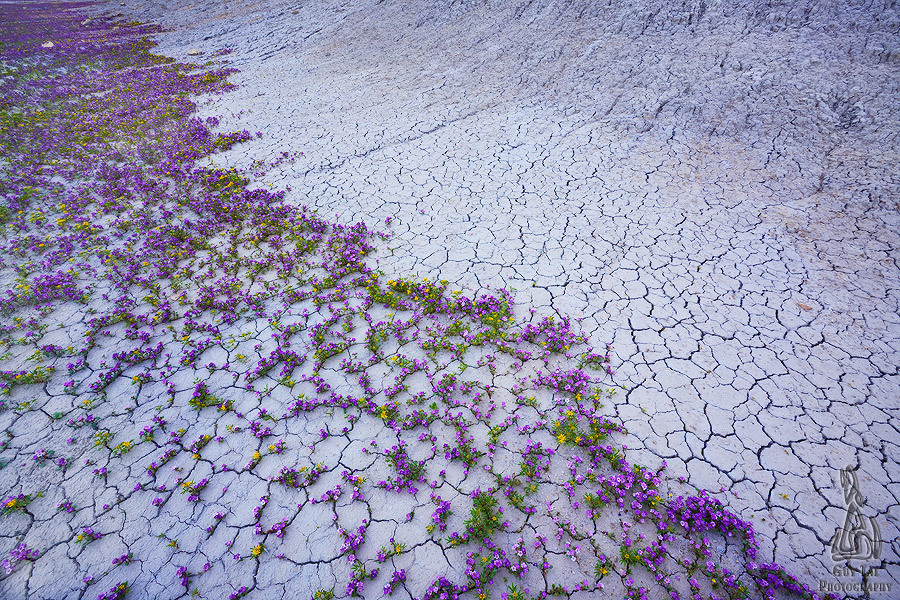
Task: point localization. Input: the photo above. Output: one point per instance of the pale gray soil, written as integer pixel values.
(712, 187)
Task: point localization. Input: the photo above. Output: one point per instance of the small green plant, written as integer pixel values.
(514, 593)
(102, 438)
(116, 592)
(568, 430)
(36, 375)
(602, 568)
(485, 519)
(323, 594)
(387, 552)
(18, 503)
(122, 448)
(630, 556)
(86, 536)
(201, 398)
(557, 590)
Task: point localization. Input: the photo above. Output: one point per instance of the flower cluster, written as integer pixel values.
(17, 503)
(17, 555)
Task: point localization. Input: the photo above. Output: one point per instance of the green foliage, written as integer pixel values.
(485, 519)
(18, 503)
(102, 438)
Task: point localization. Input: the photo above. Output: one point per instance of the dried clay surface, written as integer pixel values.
(706, 192)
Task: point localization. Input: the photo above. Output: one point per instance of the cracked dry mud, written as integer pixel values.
(710, 188)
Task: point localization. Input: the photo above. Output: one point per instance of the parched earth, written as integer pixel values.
(710, 188)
